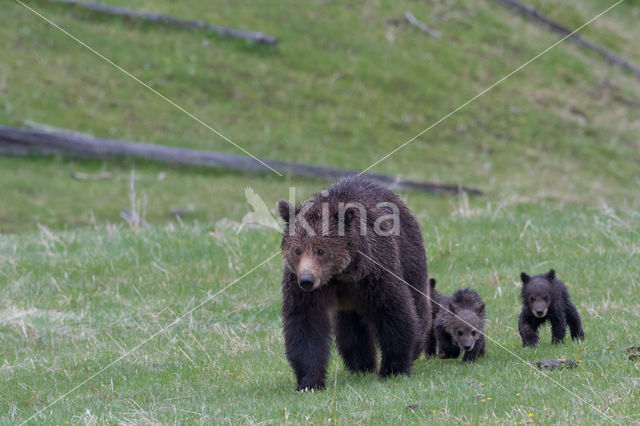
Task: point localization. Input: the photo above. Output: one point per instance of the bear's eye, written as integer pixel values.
(320, 252)
(473, 333)
(460, 333)
(298, 252)
(531, 299)
(545, 298)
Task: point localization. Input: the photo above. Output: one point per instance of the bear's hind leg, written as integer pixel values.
(396, 323)
(355, 343)
(422, 305)
(573, 319)
(430, 346)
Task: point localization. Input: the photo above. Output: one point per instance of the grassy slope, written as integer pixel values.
(343, 88)
(553, 144)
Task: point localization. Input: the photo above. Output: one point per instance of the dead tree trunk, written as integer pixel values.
(532, 13)
(19, 141)
(256, 37)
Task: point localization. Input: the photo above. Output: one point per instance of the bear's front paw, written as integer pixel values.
(578, 336)
(530, 341)
(311, 389)
(557, 340)
(308, 386)
(471, 358)
(393, 370)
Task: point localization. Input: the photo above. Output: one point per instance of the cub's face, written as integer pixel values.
(536, 294)
(465, 327)
(538, 299)
(312, 247)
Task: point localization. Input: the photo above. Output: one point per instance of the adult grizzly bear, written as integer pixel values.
(353, 253)
(545, 297)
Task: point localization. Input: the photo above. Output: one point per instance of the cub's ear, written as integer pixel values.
(285, 209)
(480, 309)
(551, 274)
(432, 282)
(524, 277)
(452, 307)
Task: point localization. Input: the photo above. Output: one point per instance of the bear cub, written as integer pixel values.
(459, 326)
(545, 297)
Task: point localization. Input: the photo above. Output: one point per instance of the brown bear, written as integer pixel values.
(460, 326)
(545, 297)
(353, 254)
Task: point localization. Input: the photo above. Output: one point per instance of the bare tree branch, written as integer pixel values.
(256, 37)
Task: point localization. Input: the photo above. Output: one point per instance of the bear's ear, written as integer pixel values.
(350, 213)
(452, 307)
(432, 282)
(551, 274)
(285, 209)
(524, 277)
(480, 309)
(346, 215)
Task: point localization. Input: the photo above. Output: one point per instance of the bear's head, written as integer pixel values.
(536, 292)
(465, 325)
(318, 241)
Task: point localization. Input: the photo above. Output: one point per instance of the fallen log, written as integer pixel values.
(554, 364)
(421, 25)
(532, 13)
(20, 141)
(256, 37)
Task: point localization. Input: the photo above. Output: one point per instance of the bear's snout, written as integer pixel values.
(467, 345)
(306, 281)
(539, 311)
(539, 306)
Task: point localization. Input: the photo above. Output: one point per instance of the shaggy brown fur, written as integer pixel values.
(545, 297)
(461, 326)
(328, 273)
(438, 300)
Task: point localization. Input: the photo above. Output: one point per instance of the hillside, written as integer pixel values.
(345, 86)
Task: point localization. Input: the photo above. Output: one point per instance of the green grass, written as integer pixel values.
(556, 147)
(72, 302)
